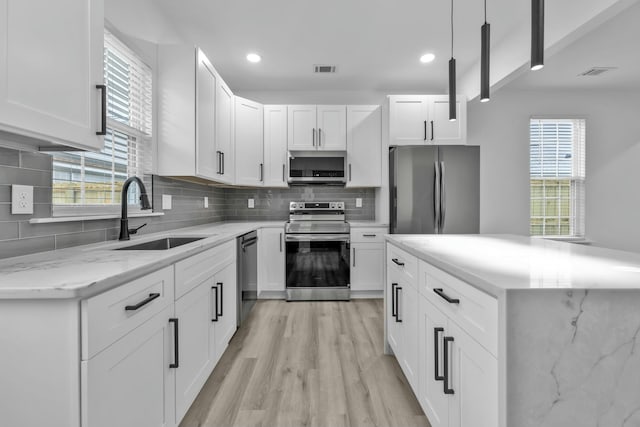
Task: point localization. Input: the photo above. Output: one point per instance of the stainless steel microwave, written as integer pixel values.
(316, 169)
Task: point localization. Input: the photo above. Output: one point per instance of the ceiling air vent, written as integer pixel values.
(324, 68)
(596, 71)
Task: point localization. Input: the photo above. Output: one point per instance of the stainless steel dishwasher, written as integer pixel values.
(247, 274)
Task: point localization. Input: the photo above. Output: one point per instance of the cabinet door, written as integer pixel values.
(226, 320)
(51, 59)
(275, 146)
(408, 312)
(225, 163)
(249, 142)
(394, 330)
(364, 146)
(408, 120)
(130, 384)
(271, 261)
(301, 127)
(332, 127)
(194, 313)
(367, 261)
(474, 379)
(432, 325)
(206, 159)
(445, 131)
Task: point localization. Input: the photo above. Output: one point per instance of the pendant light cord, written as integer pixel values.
(485, 11)
(452, 28)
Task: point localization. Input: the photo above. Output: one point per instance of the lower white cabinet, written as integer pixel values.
(367, 268)
(271, 262)
(225, 308)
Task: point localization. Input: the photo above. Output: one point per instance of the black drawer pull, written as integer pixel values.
(436, 353)
(368, 235)
(176, 360)
(398, 319)
(445, 356)
(103, 103)
(446, 297)
(215, 307)
(145, 301)
(394, 313)
(395, 260)
(221, 297)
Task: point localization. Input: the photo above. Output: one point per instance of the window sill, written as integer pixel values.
(578, 240)
(89, 218)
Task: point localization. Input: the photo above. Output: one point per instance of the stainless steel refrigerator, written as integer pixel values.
(434, 190)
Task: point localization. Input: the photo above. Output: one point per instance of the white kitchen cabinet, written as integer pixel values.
(275, 146)
(224, 311)
(130, 384)
(321, 127)
(364, 146)
(367, 261)
(407, 313)
(51, 59)
(249, 154)
(424, 120)
(224, 123)
(271, 263)
(206, 161)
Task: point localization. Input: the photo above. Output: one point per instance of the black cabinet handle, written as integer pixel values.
(215, 307)
(319, 137)
(394, 313)
(398, 289)
(314, 137)
(280, 242)
(283, 171)
(436, 353)
(349, 172)
(354, 257)
(222, 163)
(221, 297)
(144, 302)
(445, 356)
(432, 130)
(261, 172)
(368, 235)
(103, 127)
(395, 260)
(425, 130)
(176, 341)
(446, 297)
(219, 155)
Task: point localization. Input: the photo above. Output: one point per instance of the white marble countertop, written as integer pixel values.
(362, 224)
(500, 263)
(88, 270)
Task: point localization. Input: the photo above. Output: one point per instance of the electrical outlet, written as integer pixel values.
(251, 204)
(167, 202)
(21, 199)
(206, 202)
(358, 202)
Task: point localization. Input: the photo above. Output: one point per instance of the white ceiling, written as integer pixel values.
(613, 44)
(375, 44)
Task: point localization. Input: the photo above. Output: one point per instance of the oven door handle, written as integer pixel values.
(319, 237)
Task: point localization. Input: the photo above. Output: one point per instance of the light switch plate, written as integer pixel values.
(251, 203)
(206, 202)
(21, 199)
(358, 202)
(166, 202)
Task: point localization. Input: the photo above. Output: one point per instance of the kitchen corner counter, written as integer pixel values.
(364, 224)
(84, 271)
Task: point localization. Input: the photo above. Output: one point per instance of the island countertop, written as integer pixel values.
(499, 263)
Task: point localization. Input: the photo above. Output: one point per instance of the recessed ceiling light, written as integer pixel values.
(254, 57)
(427, 57)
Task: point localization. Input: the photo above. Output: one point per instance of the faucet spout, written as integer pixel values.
(144, 204)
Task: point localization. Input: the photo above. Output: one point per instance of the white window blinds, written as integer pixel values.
(85, 183)
(557, 176)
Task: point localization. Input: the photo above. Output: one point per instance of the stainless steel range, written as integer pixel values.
(317, 252)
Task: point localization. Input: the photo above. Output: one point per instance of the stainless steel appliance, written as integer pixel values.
(317, 252)
(434, 190)
(317, 169)
(247, 264)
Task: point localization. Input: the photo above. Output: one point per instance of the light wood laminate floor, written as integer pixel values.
(312, 364)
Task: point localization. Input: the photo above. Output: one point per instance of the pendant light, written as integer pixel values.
(537, 34)
(484, 58)
(452, 77)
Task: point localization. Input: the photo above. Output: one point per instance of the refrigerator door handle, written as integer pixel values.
(443, 197)
(436, 197)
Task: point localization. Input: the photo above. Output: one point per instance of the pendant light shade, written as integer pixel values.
(484, 58)
(537, 34)
(452, 77)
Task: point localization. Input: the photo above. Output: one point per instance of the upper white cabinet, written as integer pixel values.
(364, 146)
(424, 120)
(275, 146)
(249, 142)
(321, 127)
(195, 110)
(51, 60)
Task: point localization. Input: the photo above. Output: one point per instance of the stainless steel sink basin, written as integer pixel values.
(160, 244)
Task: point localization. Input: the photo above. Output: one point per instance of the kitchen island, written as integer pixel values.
(534, 332)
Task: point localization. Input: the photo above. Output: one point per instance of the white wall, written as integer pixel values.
(314, 97)
(500, 127)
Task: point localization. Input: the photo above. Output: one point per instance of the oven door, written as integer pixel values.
(317, 261)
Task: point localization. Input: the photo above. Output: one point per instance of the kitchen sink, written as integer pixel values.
(160, 244)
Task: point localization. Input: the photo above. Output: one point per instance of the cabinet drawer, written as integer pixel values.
(475, 312)
(368, 235)
(194, 270)
(109, 316)
(404, 263)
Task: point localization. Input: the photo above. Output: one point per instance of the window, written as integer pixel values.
(557, 176)
(85, 183)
